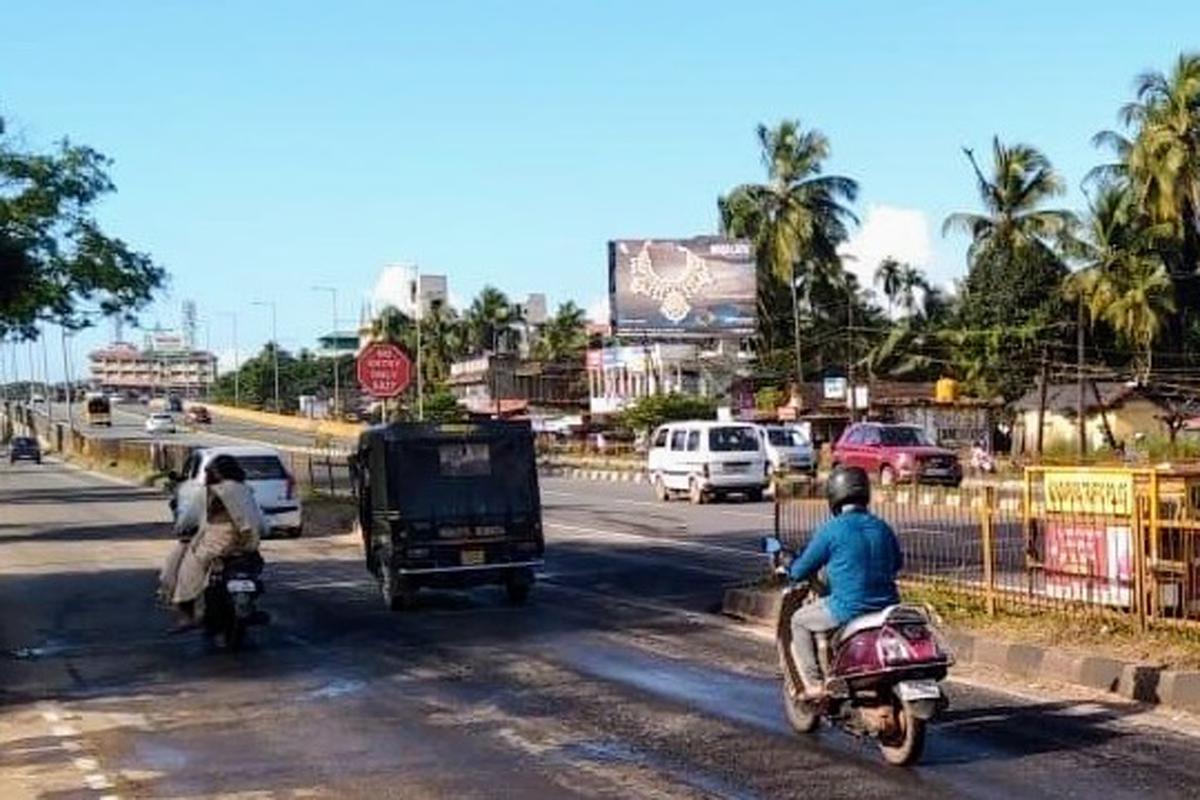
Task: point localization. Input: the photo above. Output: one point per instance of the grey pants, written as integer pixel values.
(811, 619)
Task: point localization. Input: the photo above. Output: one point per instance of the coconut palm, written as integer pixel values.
(563, 336)
(1013, 253)
(797, 218)
(887, 278)
(911, 281)
(443, 341)
(490, 320)
(1123, 280)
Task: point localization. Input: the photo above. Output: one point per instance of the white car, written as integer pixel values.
(707, 459)
(273, 486)
(160, 422)
(787, 450)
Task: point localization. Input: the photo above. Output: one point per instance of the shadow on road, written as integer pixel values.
(76, 495)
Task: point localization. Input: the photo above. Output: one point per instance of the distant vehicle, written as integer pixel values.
(197, 415)
(897, 453)
(37, 400)
(160, 422)
(155, 403)
(174, 405)
(144, 399)
(24, 448)
(116, 397)
(787, 450)
(454, 505)
(273, 486)
(99, 411)
(707, 460)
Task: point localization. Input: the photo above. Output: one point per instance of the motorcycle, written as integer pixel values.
(882, 671)
(231, 599)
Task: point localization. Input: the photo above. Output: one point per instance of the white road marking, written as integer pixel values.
(86, 764)
(97, 781)
(64, 731)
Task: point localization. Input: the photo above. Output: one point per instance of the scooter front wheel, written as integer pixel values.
(802, 716)
(906, 744)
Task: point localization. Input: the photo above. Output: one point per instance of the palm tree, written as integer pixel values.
(1123, 280)
(1160, 161)
(887, 278)
(443, 341)
(1013, 251)
(798, 218)
(911, 280)
(490, 319)
(564, 336)
(392, 325)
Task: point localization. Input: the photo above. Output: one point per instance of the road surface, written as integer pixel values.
(615, 682)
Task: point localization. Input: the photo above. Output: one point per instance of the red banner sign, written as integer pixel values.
(384, 370)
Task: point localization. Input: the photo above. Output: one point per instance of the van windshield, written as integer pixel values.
(732, 438)
(783, 437)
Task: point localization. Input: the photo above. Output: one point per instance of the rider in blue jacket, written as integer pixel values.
(861, 557)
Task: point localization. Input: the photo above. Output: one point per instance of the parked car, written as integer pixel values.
(160, 422)
(273, 486)
(895, 453)
(197, 415)
(707, 460)
(174, 404)
(24, 448)
(788, 452)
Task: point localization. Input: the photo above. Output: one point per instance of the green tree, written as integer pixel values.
(911, 281)
(442, 406)
(564, 336)
(1160, 163)
(653, 410)
(490, 321)
(796, 220)
(54, 257)
(888, 278)
(1012, 257)
(1122, 280)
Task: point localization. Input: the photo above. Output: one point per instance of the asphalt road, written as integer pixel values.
(616, 681)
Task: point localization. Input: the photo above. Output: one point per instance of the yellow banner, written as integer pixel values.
(1089, 492)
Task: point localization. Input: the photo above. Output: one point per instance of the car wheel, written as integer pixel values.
(755, 495)
(887, 475)
(660, 489)
(517, 587)
(695, 492)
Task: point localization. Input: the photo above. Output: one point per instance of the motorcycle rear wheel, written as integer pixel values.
(904, 748)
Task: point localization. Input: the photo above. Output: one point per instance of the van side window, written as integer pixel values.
(693, 440)
(870, 436)
(677, 439)
(660, 438)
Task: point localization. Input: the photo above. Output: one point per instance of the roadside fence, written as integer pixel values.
(1086, 541)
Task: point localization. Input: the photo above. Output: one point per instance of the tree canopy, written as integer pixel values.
(56, 263)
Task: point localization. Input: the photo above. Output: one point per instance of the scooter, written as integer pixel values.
(231, 599)
(882, 671)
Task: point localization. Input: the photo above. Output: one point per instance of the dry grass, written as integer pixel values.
(1102, 634)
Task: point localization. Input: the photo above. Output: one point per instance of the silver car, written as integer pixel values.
(787, 450)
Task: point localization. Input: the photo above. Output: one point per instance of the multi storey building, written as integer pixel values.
(165, 366)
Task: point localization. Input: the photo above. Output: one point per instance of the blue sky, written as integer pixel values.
(261, 148)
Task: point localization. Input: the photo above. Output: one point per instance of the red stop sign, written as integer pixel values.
(384, 370)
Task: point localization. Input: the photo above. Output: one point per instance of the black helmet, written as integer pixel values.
(847, 486)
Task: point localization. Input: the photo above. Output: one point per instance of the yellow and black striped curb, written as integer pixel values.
(1147, 683)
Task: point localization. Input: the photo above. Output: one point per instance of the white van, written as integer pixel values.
(707, 459)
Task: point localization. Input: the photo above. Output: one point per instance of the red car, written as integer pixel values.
(896, 453)
(197, 415)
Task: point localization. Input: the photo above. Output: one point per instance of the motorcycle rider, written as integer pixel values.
(861, 556)
(231, 523)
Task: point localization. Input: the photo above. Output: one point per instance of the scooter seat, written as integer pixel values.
(877, 619)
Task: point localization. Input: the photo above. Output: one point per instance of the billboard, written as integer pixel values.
(703, 286)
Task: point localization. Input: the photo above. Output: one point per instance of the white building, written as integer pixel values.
(403, 288)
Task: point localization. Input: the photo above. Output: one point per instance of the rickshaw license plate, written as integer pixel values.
(237, 585)
(918, 690)
(472, 558)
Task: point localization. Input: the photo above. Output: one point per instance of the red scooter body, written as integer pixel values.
(881, 675)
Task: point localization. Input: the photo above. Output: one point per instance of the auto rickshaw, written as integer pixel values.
(449, 506)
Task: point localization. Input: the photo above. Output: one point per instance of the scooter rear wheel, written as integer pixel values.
(905, 746)
(802, 716)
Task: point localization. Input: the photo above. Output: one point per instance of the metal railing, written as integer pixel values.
(1099, 542)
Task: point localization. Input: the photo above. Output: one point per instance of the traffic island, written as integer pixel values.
(1157, 684)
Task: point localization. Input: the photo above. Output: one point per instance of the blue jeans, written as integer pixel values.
(811, 619)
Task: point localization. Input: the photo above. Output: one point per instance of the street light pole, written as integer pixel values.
(67, 379)
(337, 412)
(274, 349)
(46, 377)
